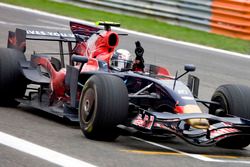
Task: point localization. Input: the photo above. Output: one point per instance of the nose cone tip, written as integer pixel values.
(199, 123)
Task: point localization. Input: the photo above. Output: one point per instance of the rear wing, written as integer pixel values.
(49, 36)
(80, 32)
(17, 40)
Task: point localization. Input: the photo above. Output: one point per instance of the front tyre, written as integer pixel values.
(233, 100)
(103, 105)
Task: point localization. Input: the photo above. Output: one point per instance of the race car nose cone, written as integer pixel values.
(198, 123)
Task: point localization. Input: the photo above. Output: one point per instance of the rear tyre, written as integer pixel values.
(12, 81)
(233, 100)
(103, 105)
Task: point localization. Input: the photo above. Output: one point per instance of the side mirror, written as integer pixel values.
(189, 67)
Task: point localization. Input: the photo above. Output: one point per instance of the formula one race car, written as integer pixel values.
(107, 100)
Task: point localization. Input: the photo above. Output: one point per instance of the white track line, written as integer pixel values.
(195, 156)
(128, 31)
(41, 152)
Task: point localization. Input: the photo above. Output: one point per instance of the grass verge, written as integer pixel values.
(150, 26)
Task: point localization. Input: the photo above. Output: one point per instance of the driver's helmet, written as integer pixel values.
(121, 60)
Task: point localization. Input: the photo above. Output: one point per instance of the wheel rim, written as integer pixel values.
(88, 106)
(223, 106)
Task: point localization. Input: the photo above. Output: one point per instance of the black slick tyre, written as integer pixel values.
(233, 100)
(103, 105)
(12, 82)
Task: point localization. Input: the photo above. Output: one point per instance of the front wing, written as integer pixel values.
(220, 127)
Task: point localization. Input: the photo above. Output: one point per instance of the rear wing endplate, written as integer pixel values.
(17, 40)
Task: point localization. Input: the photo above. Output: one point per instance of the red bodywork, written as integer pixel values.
(100, 45)
(57, 77)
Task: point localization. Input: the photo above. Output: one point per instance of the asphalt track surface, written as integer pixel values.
(65, 141)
